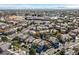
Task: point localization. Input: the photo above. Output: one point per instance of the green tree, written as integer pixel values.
(62, 52)
(34, 46)
(4, 39)
(15, 39)
(76, 50)
(16, 45)
(32, 51)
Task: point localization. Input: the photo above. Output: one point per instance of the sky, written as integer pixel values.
(39, 6)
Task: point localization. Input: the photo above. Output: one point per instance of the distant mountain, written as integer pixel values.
(39, 6)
